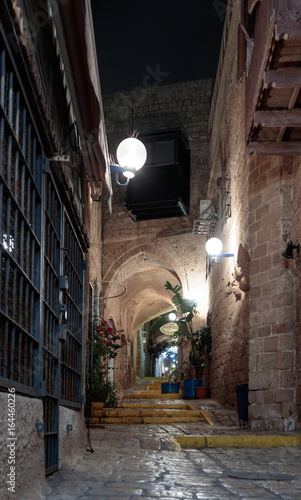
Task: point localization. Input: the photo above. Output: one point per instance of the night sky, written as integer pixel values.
(142, 43)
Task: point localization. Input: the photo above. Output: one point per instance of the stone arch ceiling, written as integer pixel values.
(145, 298)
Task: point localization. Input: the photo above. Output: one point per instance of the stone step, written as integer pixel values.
(147, 413)
(152, 395)
(143, 420)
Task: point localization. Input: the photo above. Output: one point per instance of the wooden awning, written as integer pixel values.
(78, 34)
(273, 86)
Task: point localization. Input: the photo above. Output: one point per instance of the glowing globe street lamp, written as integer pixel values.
(214, 247)
(131, 155)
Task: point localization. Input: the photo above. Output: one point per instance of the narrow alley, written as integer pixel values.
(150, 247)
(132, 461)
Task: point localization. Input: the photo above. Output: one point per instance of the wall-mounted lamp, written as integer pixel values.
(290, 247)
(131, 156)
(214, 247)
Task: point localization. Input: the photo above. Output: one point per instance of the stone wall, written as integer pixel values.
(295, 268)
(71, 442)
(144, 254)
(254, 302)
(26, 453)
(272, 355)
(229, 281)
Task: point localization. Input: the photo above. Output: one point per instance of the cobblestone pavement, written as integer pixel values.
(132, 462)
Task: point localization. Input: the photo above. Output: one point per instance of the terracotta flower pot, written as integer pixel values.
(201, 392)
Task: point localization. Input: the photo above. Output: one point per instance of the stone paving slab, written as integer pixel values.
(132, 462)
(145, 461)
(118, 471)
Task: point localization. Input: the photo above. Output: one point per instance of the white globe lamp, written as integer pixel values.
(131, 153)
(214, 246)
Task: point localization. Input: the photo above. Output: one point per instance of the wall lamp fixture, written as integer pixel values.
(131, 156)
(214, 247)
(290, 247)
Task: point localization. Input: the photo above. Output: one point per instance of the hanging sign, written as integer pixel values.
(169, 328)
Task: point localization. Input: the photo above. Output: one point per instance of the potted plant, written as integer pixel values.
(194, 371)
(200, 342)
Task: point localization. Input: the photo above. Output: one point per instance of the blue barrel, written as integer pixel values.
(189, 387)
(168, 387)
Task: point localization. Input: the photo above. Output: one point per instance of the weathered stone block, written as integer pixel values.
(271, 344)
(267, 361)
(263, 305)
(263, 235)
(284, 360)
(269, 397)
(260, 331)
(288, 408)
(262, 380)
(287, 378)
(254, 228)
(269, 288)
(255, 291)
(266, 263)
(284, 396)
(281, 299)
(284, 313)
(257, 200)
(271, 411)
(298, 396)
(283, 327)
(286, 342)
(256, 345)
(255, 319)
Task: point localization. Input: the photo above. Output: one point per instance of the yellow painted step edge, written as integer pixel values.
(238, 441)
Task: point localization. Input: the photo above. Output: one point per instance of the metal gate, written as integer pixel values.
(50, 322)
(41, 279)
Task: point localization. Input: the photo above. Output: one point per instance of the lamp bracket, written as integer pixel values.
(116, 168)
(122, 170)
(219, 257)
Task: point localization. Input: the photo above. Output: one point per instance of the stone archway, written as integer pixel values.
(144, 276)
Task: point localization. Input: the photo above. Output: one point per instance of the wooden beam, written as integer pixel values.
(283, 78)
(274, 148)
(251, 5)
(293, 98)
(280, 134)
(278, 118)
(287, 26)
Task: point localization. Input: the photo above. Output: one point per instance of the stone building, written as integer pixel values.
(254, 300)
(68, 245)
(53, 161)
(143, 254)
(250, 145)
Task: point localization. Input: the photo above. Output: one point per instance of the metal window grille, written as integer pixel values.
(37, 246)
(225, 199)
(50, 322)
(71, 297)
(88, 373)
(20, 236)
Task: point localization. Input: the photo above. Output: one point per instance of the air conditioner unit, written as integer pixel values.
(205, 208)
